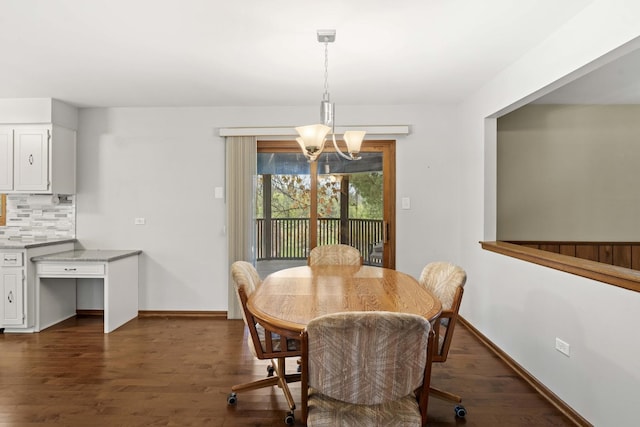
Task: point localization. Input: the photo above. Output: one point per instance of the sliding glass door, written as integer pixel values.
(300, 205)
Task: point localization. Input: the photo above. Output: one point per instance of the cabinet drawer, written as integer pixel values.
(14, 259)
(79, 269)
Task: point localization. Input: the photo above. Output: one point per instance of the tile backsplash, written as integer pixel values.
(39, 216)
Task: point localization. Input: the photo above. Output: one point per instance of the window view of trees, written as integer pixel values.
(285, 226)
(366, 200)
(291, 196)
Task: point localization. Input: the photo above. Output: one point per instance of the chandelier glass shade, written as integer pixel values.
(353, 139)
(313, 137)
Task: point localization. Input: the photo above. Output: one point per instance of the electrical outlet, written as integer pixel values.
(139, 221)
(563, 347)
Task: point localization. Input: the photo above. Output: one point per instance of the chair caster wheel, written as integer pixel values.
(232, 399)
(460, 411)
(289, 419)
(270, 370)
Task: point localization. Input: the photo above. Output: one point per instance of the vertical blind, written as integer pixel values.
(241, 175)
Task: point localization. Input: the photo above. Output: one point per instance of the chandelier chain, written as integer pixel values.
(313, 137)
(326, 71)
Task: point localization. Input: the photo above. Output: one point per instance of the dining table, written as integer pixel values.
(288, 299)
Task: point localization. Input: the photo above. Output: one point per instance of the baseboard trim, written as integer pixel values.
(163, 313)
(178, 313)
(550, 396)
(96, 313)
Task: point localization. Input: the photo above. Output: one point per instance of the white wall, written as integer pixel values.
(520, 306)
(163, 164)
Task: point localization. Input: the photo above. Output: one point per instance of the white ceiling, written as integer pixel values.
(264, 53)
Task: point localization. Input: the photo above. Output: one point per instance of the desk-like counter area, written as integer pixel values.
(56, 285)
(18, 279)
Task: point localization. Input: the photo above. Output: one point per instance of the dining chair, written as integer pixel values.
(355, 369)
(264, 344)
(334, 255)
(375, 253)
(446, 282)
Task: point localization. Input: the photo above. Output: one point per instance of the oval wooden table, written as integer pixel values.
(288, 299)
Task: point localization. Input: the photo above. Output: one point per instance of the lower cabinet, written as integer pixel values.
(17, 283)
(12, 282)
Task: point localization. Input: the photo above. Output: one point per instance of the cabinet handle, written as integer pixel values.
(10, 297)
(69, 269)
(30, 159)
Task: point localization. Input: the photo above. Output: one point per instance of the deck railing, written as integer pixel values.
(288, 238)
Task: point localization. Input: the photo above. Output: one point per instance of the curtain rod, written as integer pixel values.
(290, 131)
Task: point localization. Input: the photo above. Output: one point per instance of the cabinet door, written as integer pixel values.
(11, 280)
(6, 158)
(31, 159)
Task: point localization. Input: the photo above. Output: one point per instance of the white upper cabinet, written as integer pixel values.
(6, 159)
(31, 159)
(38, 158)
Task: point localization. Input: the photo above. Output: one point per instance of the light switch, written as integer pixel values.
(406, 203)
(219, 193)
(139, 221)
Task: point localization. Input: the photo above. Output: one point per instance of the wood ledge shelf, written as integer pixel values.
(618, 276)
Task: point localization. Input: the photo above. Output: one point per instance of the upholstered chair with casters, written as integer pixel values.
(264, 344)
(356, 370)
(334, 255)
(446, 282)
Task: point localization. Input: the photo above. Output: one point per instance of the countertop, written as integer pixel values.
(87, 255)
(7, 243)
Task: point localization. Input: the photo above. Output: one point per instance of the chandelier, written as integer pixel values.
(313, 137)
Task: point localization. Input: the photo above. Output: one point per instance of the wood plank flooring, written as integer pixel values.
(178, 372)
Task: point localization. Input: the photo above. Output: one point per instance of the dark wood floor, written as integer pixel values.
(178, 372)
